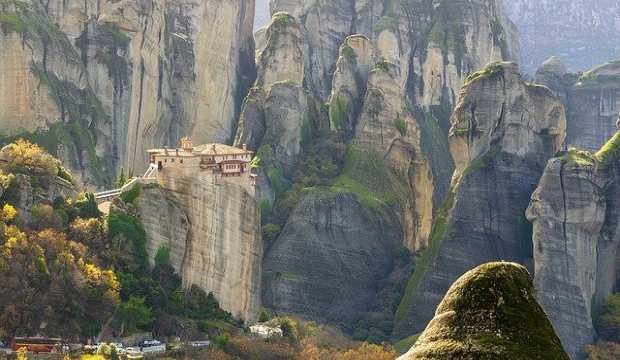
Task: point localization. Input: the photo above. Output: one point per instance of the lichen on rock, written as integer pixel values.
(490, 312)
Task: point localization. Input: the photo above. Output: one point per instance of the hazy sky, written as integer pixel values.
(262, 13)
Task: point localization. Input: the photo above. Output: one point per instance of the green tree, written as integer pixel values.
(135, 314)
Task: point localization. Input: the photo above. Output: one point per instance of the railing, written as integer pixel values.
(111, 194)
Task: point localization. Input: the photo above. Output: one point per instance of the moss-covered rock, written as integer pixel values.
(489, 313)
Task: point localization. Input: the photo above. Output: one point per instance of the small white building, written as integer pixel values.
(215, 161)
(265, 331)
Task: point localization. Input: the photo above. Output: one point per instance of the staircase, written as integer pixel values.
(112, 194)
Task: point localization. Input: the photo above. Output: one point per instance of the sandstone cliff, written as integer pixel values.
(592, 101)
(213, 233)
(328, 261)
(581, 32)
(389, 73)
(489, 313)
(575, 218)
(100, 82)
(503, 132)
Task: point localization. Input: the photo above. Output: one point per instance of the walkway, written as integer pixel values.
(112, 194)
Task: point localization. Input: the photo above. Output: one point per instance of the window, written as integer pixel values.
(181, 161)
(172, 160)
(165, 160)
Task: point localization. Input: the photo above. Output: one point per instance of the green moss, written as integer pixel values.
(439, 232)
(609, 151)
(366, 175)
(405, 344)
(480, 162)
(584, 158)
(339, 111)
(265, 160)
(491, 312)
(348, 53)
(282, 19)
(488, 72)
(400, 125)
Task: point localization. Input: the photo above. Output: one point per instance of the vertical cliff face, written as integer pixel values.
(575, 218)
(592, 100)
(102, 81)
(213, 233)
(503, 132)
(381, 76)
(390, 72)
(489, 313)
(580, 32)
(329, 258)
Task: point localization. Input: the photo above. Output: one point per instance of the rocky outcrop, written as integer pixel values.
(213, 233)
(327, 262)
(395, 78)
(580, 32)
(575, 218)
(489, 313)
(503, 132)
(389, 72)
(276, 108)
(592, 100)
(100, 82)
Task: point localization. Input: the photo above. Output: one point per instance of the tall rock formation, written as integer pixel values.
(592, 101)
(389, 72)
(212, 230)
(575, 215)
(326, 264)
(581, 32)
(489, 313)
(100, 82)
(503, 132)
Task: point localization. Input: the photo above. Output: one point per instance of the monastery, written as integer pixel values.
(219, 162)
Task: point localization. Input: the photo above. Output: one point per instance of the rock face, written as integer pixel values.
(389, 73)
(580, 32)
(489, 313)
(329, 258)
(99, 82)
(503, 132)
(383, 92)
(213, 233)
(592, 101)
(575, 218)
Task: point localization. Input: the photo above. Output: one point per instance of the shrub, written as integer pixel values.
(400, 125)
(135, 314)
(271, 232)
(27, 158)
(608, 322)
(162, 257)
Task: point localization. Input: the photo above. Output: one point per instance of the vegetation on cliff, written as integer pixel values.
(490, 313)
(68, 271)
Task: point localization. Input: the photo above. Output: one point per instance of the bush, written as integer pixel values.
(135, 314)
(122, 224)
(27, 158)
(608, 321)
(162, 257)
(271, 232)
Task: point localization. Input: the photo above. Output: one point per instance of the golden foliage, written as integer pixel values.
(8, 213)
(26, 157)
